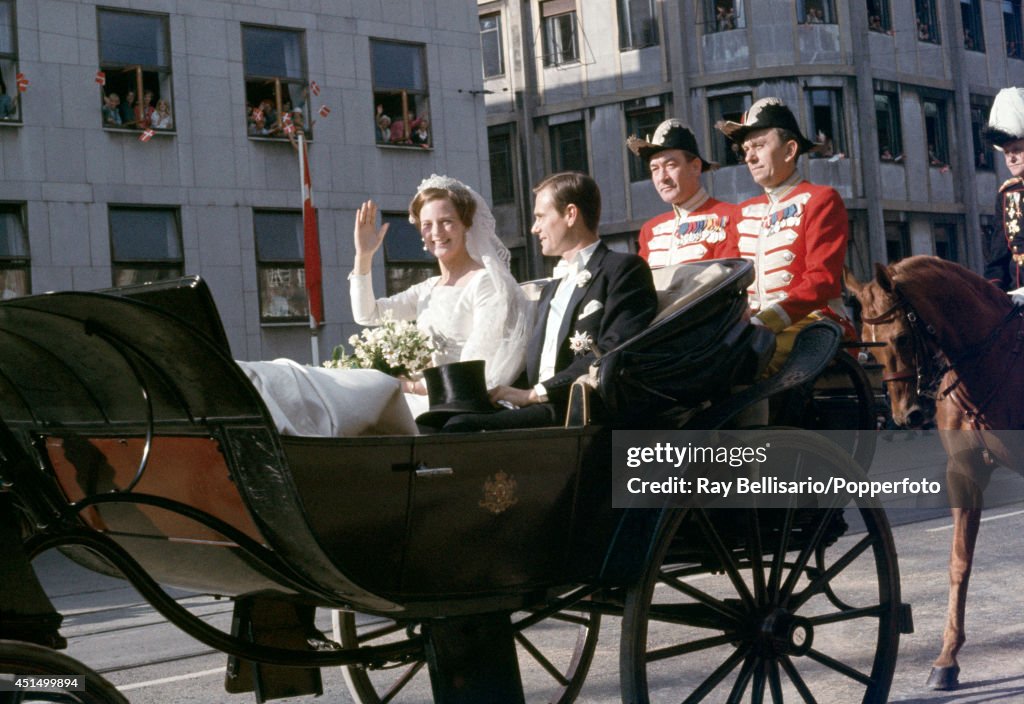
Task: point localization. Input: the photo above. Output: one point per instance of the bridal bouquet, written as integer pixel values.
(396, 347)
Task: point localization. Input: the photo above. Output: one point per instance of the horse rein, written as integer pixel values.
(926, 387)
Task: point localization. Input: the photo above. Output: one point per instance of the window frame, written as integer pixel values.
(628, 33)
(496, 31)
(634, 113)
(723, 151)
(553, 33)
(419, 98)
(950, 240)
(295, 265)
(281, 88)
(712, 22)
(936, 129)
(1013, 31)
(881, 10)
(984, 158)
(502, 134)
(175, 268)
(837, 123)
(12, 262)
(827, 8)
(9, 70)
(155, 78)
(402, 272)
(559, 161)
(970, 21)
(897, 247)
(894, 128)
(926, 16)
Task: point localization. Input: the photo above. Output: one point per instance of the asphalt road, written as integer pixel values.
(110, 628)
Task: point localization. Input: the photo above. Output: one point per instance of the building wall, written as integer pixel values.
(66, 169)
(771, 53)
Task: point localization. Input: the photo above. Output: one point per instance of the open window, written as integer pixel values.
(560, 31)
(927, 21)
(816, 12)
(491, 45)
(936, 132)
(825, 113)
(400, 96)
(879, 17)
(723, 15)
(280, 267)
(145, 244)
(638, 24)
(1013, 30)
(15, 269)
(276, 82)
(887, 119)
(983, 157)
(970, 16)
(642, 118)
(135, 70)
(10, 104)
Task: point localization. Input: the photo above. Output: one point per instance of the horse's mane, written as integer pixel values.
(925, 278)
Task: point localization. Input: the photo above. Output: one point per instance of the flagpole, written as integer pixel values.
(313, 329)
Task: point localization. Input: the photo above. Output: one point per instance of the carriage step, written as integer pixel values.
(905, 619)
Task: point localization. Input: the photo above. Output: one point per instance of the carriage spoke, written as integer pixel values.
(839, 667)
(756, 555)
(757, 693)
(779, 558)
(805, 554)
(687, 648)
(739, 687)
(725, 558)
(396, 689)
(380, 632)
(720, 673)
(775, 682)
(850, 615)
(711, 602)
(541, 660)
(819, 582)
(797, 680)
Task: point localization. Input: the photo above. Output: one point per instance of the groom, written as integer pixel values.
(601, 299)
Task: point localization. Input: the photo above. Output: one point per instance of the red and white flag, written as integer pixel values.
(314, 87)
(101, 78)
(324, 111)
(257, 114)
(311, 243)
(289, 128)
(23, 83)
(146, 135)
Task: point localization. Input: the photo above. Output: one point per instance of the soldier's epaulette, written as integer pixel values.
(1010, 182)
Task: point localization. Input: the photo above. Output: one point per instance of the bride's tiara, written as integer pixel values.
(444, 182)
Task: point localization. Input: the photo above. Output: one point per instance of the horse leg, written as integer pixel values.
(965, 495)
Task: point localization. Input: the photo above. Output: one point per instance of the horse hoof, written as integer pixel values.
(944, 677)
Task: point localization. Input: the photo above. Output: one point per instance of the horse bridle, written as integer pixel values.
(937, 364)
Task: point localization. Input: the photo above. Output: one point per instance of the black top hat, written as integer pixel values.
(765, 113)
(455, 388)
(670, 134)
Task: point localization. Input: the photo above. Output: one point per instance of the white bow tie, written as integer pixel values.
(565, 269)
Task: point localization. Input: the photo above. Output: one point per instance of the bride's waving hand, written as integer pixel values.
(368, 237)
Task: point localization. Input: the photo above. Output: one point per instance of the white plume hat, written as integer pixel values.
(1006, 121)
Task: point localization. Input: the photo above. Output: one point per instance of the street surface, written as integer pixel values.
(110, 628)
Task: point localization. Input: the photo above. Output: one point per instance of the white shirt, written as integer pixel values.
(556, 311)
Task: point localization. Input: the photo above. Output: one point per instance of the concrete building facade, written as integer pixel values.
(94, 194)
(898, 91)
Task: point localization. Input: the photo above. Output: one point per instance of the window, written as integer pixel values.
(638, 24)
(944, 236)
(726, 107)
(560, 43)
(135, 69)
(1012, 26)
(569, 147)
(970, 16)
(825, 106)
(642, 118)
(723, 15)
(406, 261)
(14, 260)
(499, 145)
(10, 110)
(400, 93)
(816, 12)
(927, 24)
(275, 80)
(490, 45)
(145, 244)
(936, 133)
(879, 19)
(887, 117)
(983, 157)
(897, 241)
(280, 268)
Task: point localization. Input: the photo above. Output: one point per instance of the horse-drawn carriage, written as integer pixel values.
(131, 440)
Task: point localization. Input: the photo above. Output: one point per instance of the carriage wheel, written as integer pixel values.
(570, 640)
(20, 658)
(747, 618)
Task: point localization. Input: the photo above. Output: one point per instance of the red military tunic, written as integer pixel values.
(691, 232)
(796, 236)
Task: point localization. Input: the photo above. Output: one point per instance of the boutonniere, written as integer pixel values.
(582, 278)
(581, 342)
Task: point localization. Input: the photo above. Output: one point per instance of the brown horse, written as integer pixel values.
(955, 341)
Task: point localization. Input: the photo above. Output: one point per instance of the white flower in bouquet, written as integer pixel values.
(396, 347)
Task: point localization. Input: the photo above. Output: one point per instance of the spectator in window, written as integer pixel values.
(160, 118)
(8, 105)
(922, 32)
(112, 110)
(815, 16)
(886, 154)
(147, 108)
(421, 135)
(875, 24)
(128, 109)
(933, 157)
(401, 130)
(725, 18)
(383, 128)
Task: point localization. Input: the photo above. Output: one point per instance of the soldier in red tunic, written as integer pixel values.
(695, 229)
(795, 232)
(1004, 246)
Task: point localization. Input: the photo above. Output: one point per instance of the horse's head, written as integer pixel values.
(885, 320)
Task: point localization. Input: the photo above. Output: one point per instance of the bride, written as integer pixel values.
(474, 309)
